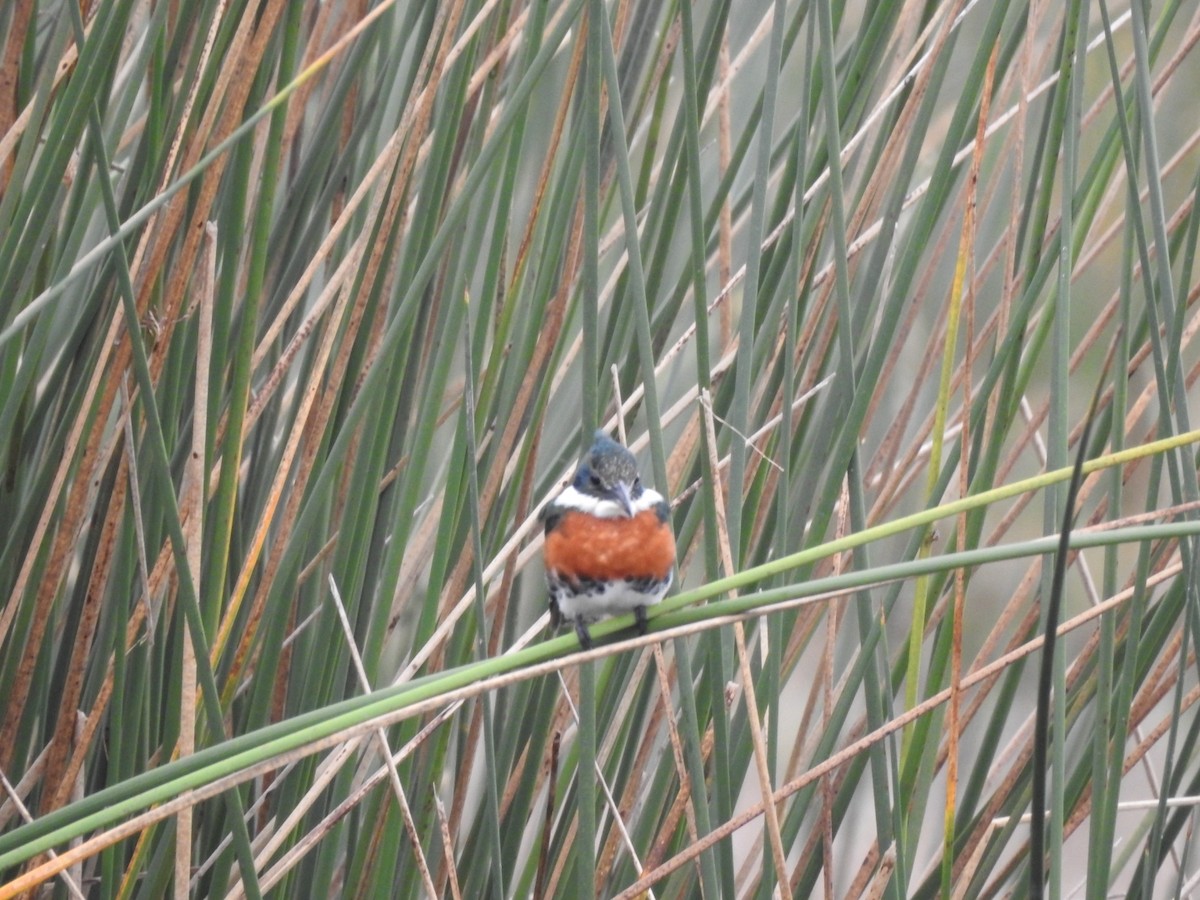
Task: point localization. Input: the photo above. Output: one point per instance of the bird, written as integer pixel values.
(609, 546)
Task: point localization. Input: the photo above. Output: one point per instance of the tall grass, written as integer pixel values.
(309, 308)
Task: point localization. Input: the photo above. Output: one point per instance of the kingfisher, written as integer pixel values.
(609, 545)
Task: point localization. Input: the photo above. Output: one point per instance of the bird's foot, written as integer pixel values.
(639, 617)
(581, 631)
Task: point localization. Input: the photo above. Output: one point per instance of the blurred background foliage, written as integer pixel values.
(307, 308)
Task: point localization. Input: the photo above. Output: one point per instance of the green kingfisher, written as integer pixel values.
(609, 546)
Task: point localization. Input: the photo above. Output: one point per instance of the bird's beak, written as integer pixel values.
(621, 490)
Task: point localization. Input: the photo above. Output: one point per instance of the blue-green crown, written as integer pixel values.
(606, 465)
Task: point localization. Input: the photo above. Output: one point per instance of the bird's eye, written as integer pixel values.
(596, 482)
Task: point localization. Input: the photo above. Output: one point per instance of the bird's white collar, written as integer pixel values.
(603, 508)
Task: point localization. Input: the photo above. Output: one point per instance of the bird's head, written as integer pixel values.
(609, 472)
